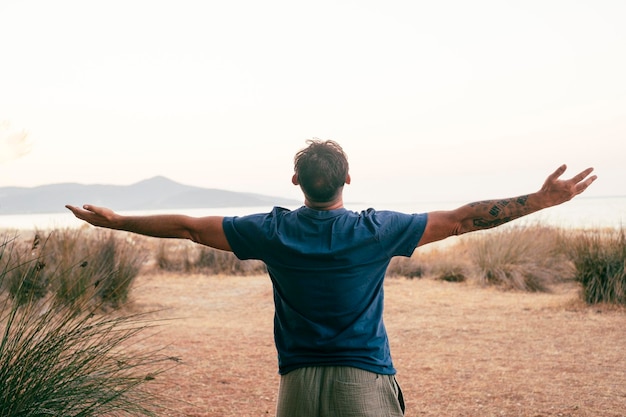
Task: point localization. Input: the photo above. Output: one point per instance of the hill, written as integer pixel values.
(151, 194)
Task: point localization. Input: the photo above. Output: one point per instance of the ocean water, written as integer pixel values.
(582, 212)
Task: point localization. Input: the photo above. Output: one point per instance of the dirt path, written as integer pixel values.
(459, 350)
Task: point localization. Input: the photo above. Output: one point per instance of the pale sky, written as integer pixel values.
(432, 100)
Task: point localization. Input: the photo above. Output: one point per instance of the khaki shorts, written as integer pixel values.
(338, 391)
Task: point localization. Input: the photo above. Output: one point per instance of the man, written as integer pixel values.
(327, 267)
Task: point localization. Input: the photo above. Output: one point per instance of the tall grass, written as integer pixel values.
(407, 267)
(57, 360)
(75, 264)
(600, 261)
(114, 268)
(23, 270)
(445, 265)
(172, 255)
(530, 258)
(526, 258)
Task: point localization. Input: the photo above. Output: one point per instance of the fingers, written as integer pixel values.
(556, 174)
(582, 180)
(578, 178)
(75, 209)
(566, 189)
(582, 185)
(87, 207)
(86, 212)
(579, 182)
(71, 208)
(581, 176)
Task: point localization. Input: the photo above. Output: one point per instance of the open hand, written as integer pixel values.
(557, 191)
(97, 216)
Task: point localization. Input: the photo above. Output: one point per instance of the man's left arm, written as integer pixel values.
(491, 213)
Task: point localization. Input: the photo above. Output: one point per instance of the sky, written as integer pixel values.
(431, 100)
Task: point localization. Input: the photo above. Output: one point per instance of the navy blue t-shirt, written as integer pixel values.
(327, 270)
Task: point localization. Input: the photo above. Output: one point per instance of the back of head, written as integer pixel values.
(322, 169)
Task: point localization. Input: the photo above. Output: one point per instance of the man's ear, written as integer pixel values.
(348, 179)
(294, 179)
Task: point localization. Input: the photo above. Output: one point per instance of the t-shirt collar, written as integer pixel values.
(321, 214)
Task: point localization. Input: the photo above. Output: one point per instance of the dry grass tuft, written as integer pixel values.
(67, 360)
(521, 258)
(600, 260)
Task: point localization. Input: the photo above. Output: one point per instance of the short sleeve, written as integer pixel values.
(400, 233)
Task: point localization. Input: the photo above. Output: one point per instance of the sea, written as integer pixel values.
(580, 213)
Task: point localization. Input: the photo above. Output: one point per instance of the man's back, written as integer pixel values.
(327, 268)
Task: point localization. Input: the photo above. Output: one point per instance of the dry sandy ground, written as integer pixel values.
(460, 350)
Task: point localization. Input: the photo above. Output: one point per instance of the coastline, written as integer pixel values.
(580, 213)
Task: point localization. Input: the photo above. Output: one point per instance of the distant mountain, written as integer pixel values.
(154, 193)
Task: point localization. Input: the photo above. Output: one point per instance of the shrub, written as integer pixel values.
(446, 264)
(60, 361)
(526, 258)
(67, 252)
(116, 268)
(90, 265)
(450, 271)
(190, 257)
(23, 271)
(406, 267)
(599, 258)
(174, 255)
(220, 262)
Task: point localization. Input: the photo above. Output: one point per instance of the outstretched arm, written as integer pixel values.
(491, 213)
(204, 230)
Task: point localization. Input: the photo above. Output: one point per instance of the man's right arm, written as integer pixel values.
(207, 230)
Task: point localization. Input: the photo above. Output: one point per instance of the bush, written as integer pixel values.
(599, 258)
(179, 256)
(450, 271)
(116, 267)
(65, 253)
(75, 265)
(23, 271)
(61, 361)
(445, 265)
(406, 267)
(220, 262)
(175, 255)
(526, 258)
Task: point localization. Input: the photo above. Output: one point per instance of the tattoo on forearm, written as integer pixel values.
(495, 210)
(486, 224)
(493, 213)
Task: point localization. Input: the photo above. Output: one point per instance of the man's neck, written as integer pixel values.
(325, 206)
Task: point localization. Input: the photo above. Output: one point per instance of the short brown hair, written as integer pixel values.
(322, 169)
